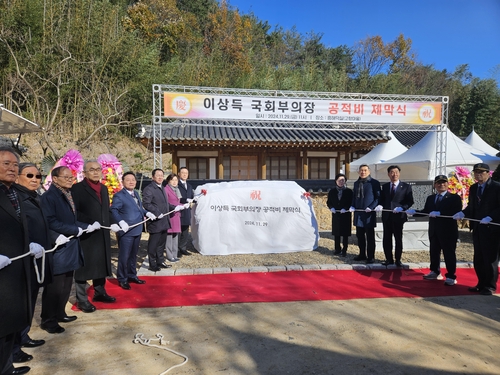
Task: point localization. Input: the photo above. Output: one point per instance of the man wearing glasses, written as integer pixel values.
(93, 206)
(484, 206)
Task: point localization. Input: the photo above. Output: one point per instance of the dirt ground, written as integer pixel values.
(441, 335)
(445, 335)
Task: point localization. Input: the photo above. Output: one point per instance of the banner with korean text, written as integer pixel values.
(253, 217)
(201, 106)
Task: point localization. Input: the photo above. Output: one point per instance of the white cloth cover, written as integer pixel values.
(253, 217)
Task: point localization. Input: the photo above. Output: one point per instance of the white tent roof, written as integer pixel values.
(380, 153)
(476, 141)
(419, 162)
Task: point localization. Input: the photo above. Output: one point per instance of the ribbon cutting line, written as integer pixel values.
(417, 213)
(41, 278)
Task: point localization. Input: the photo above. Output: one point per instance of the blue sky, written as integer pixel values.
(445, 33)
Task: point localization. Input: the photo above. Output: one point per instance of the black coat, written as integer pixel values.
(403, 197)
(446, 229)
(489, 206)
(62, 220)
(341, 223)
(15, 291)
(186, 193)
(155, 200)
(96, 245)
(368, 198)
(38, 231)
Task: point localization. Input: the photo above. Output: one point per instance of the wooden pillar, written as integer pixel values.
(305, 167)
(347, 163)
(220, 165)
(263, 165)
(175, 161)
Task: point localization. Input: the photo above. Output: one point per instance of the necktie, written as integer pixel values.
(479, 193)
(393, 190)
(439, 198)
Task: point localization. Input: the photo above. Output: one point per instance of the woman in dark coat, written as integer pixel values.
(339, 200)
(28, 183)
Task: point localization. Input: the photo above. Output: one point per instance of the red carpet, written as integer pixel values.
(165, 291)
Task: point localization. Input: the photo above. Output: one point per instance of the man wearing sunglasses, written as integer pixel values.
(93, 206)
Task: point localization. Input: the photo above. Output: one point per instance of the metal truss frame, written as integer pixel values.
(159, 120)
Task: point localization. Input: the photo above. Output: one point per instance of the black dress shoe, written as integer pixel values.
(86, 307)
(20, 370)
(370, 261)
(67, 319)
(387, 263)
(337, 252)
(474, 289)
(486, 292)
(165, 265)
(21, 357)
(125, 285)
(359, 257)
(184, 252)
(55, 329)
(136, 281)
(154, 269)
(33, 343)
(399, 264)
(343, 254)
(103, 298)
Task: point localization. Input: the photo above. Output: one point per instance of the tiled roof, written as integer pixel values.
(220, 134)
(409, 138)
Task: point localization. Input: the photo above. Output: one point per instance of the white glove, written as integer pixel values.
(4, 261)
(124, 226)
(189, 200)
(410, 212)
(115, 228)
(434, 214)
(96, 225)
(368, 209)
(485, 220)
(90, 228)
(458, 216)
(36, 250)
(397, 210)
(161, 216)
(62, 239)
(80, 232)
(187, 205)
(151, 215)
(379, 208)
(343, 211)
(179, 208)
(333, 210)
(352, 209)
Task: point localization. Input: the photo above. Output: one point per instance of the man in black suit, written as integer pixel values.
(15, 306)
(154, 200)
(443, 232)
(396, 196)
(187, 197)
(484, 206)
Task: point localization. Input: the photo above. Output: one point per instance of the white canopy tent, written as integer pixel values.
(476, 141)
(379, 154)
(419, 162)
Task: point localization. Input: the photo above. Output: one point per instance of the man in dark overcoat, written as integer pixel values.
(15, 301)
(366, 194)
(484, 206)
(396, 196)
(187, 195)
(59, 208)
(92, 205)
